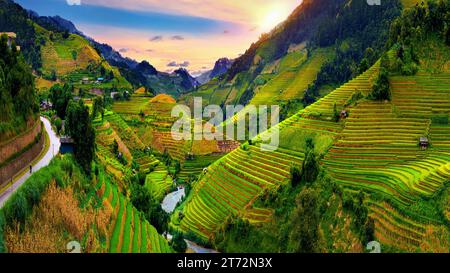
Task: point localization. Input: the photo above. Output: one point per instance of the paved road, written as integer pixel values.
(44, 161)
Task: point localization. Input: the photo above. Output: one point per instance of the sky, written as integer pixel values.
(171, 33)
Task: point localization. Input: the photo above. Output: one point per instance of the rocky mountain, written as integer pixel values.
(220, 67)
(188, 82)
(54, 23)
(139, 74)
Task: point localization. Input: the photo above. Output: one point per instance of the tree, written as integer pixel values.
(18, 99)
(60, 97)
(97, 107)
(381, 89)
(336, 114)
(79, 127)
(53, 76)
(305, 222)
(58, 125)
(144, 201)
(296, 175)
(65, 34)
(310, 167)
(115, 147)
(178, 243)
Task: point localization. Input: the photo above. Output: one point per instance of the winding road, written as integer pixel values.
(52, 150)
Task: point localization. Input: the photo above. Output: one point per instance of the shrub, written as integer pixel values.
(440, 119)
(296, 175)
(381, 90)
(178, 243)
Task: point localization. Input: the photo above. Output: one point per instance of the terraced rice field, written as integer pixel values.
(421, 95)
(57, 55)
(372, 148)
(129, 232)
(376, 149)
(105, 136)
(125, 132)
(395, 229)
(163, 141)
(231, 185)
(291, 83)
(195, 166)
(134, 106)
(159, 182)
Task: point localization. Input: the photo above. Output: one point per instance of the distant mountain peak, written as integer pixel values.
(220, 67)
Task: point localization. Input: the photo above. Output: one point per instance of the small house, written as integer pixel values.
(45, 105)
(344, 114)
(424, 143)
(11, 37)
(85, 80)
(113, 94)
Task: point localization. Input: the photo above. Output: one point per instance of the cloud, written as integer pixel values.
(175, 64)
(73, 2)
(226, 31)
(177, 38)
(156, 38)
(242, 12)
(149, 50)
(123, 50)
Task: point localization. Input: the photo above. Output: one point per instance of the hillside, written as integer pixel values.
(137, 73)
(304, 57)
(363, 152)
(373, 155)
(71, 207)
(22, 137)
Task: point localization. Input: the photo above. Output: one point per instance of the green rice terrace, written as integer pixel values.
(89, 153)
(130, 232)
(376, 148)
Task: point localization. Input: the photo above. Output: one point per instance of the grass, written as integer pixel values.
(130, 232)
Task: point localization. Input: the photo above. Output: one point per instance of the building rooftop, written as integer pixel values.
(9, 34)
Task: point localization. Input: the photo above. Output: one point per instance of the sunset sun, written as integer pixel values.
(273, 17)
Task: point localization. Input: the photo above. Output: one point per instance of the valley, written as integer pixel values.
(363, 153)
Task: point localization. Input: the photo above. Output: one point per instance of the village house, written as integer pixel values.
(424, 143)
(344, 114)
(11, 38)
(85, 80)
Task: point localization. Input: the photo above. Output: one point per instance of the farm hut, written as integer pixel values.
(11, 37)
(344, 114)
(424, 143)
(113, 94)
(85, 80)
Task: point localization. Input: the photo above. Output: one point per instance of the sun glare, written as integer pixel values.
(273, 17)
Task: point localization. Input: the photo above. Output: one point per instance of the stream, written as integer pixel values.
(168, 205)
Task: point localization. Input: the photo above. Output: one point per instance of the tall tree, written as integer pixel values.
(79, 127)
